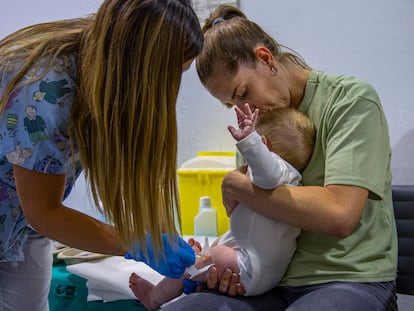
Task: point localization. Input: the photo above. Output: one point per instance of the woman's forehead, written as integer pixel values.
(220, 87)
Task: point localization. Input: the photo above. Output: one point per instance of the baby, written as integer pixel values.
(276, 145)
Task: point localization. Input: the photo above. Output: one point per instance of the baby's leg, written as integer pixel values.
(224, 257)
(142, 289)
(153, 296)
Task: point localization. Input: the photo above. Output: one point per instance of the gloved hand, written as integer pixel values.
(177, 256)
(191, 286)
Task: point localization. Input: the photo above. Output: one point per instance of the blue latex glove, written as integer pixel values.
(191, 286)
(178, 256)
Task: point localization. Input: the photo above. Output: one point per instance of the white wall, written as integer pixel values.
(371, 39)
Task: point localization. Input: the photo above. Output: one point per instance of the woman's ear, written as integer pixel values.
(264, 55)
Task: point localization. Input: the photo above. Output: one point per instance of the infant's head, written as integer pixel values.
(289, 133)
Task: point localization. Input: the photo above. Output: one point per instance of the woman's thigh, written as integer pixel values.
(338, 296)
(214, 301)
(26, 286)
(344, 296)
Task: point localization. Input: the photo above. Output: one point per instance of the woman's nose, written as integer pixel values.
(241, 105)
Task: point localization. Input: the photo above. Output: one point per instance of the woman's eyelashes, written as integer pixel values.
(243, 94)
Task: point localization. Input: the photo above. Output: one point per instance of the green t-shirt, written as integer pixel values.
(352, 148)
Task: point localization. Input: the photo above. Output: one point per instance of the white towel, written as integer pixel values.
(108, 279)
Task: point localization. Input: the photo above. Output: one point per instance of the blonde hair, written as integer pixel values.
(230, 39)
(291, 134)
(129, 62)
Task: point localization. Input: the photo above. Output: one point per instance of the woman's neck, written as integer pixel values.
(299, 78)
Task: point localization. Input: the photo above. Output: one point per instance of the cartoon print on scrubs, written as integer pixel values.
(2, 218)
(34, 125)
(34, 135)
(60, 135)
(4, 195)
(16, 156)
(11, 124)
(48, 165)
(52, 91)
(62, 64)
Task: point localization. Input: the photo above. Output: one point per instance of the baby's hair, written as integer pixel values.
(290, 134)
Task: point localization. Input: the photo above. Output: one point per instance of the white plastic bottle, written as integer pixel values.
(205, 222)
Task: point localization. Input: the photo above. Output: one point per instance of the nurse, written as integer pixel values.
(96, 94)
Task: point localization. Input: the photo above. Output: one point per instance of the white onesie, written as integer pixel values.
(264, 246)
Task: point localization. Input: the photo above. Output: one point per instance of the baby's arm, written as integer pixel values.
(246, 122)
(267, 170)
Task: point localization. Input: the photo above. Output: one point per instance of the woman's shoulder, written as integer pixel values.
(351, 85)
(37, 114)
(45, 68)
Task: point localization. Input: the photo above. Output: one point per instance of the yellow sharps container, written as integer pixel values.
(202, 176)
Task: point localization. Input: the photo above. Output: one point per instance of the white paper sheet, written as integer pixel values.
(108, 279)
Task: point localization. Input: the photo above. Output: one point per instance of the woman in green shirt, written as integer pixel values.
(346, 255)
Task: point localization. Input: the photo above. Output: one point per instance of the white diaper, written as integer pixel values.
(245, 266)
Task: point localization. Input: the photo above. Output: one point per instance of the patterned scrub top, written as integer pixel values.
(34, 135)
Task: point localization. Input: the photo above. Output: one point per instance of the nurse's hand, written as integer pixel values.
(228, 284)
(177, 256)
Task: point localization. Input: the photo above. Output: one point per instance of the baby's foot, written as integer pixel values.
(196, 246)
(142, 289)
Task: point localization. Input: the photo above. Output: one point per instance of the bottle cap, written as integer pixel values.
(205, 202)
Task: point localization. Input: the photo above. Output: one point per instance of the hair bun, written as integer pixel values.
(222, 13)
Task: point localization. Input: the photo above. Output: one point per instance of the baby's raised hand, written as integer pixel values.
(246, 122)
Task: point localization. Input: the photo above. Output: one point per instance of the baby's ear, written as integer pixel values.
(266, 142)
(264, 139)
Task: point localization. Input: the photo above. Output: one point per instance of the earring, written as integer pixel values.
(273, 71)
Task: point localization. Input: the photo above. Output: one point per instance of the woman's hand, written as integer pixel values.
(232, 182)
(228, 284)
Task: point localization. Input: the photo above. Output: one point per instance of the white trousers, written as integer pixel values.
(26, 286)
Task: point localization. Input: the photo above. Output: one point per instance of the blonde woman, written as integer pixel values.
(96, 93)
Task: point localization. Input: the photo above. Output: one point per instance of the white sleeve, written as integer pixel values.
(267, 169)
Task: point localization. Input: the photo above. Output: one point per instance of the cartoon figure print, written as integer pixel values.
(54, 92)
(11, 124)
(62, 63)
(49, 165)
(34, 125)
(4, 194)
(17, 156)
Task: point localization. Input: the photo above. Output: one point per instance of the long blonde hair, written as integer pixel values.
(230, 40)
(129, 63)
